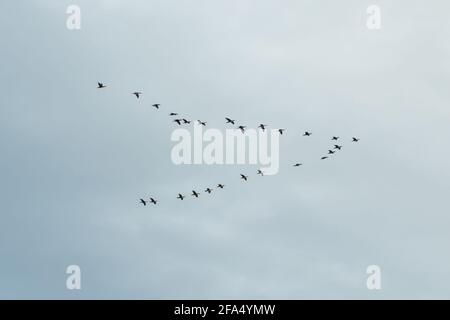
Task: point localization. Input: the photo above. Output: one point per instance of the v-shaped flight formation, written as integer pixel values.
(242, 128)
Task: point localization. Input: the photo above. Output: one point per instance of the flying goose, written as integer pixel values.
(195, 194)
(242, 128)
(230, 121)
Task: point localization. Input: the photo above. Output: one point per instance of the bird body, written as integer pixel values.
(262, 126)
(180, 196)
(100, 85)
(156, 105)
(244, 177)
(230, 120)
(137, 94)
(195, 194)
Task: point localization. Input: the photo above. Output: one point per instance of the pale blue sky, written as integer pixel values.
(75, 161)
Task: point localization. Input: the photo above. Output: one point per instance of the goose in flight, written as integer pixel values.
(173, 114)
(156, 105)
(100, 85)
(355, 139)
(208, 190)
(323, 158)
(221, 186)
(186, 121)
(337, 147)
(153, 201)
(260, 172)
(203, 123)
(143, 202)
(334, 138)
(297, 165)
(244, 177)
(262, 126)
(242, 128)
(180, 196)
(307, 134)
(281, 131)
(331, 151)
(177, 121)
(195, 193)
(137, 94)
(230, 121)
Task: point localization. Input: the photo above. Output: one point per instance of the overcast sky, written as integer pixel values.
(75, 160)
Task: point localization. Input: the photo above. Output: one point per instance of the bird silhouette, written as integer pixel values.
(337, 147)
(243, 177)
(331, 151)
(153, 201)
(173, 114)
(137, 94)
(335, 138)
(208, 190)
(143, 202)
(177, 121)
(195, 194)
(242, 128)
(260, 172)
(156, 105)
(203, 123)
(262, 126)
(323, 158)
(307, 134)
(355, 139)
(100, 85)
(221, 186)
(297, 165)
(230, 121)
(186, 121)
(281, 131)
(180, 196)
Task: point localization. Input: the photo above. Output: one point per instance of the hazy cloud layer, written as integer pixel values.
(76, 160)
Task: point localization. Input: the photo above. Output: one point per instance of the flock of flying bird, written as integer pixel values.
(181, 121)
